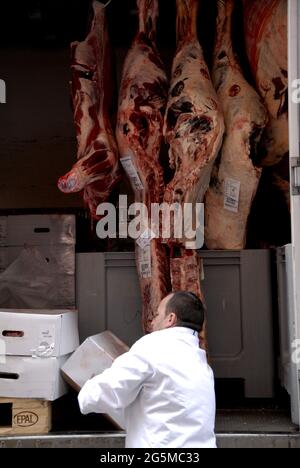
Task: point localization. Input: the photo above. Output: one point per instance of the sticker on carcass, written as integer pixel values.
(145, 262)
(145, 239)
(232, 195)
(132, 173)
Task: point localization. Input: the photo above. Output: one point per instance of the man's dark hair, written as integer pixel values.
(189, 310)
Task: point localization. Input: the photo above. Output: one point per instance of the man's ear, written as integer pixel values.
(172, 319)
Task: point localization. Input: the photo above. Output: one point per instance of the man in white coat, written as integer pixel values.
(162, 390)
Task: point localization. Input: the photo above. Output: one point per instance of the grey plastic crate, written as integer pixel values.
(238, 292)
(108, 295)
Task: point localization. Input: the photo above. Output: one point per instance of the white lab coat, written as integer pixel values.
(161, 392)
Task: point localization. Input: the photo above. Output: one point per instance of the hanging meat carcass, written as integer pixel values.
(142, 104)
(96, 172)
(194, 124)
(194, 128)
(266, 43)
(235, 179)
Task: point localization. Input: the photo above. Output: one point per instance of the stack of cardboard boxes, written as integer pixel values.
(35, 346)
(38, 319)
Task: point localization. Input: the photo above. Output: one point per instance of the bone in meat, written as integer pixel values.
(96, 172)
(235, 178)
(142, 104)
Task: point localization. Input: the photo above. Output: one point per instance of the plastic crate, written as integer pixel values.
(238, 291)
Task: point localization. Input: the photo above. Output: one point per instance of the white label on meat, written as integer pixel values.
(145, 239)
(145, 263)
(3, 231)
(132, 173)
(232, 195)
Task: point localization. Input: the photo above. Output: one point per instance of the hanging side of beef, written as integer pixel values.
(194, 128)
(142, 104)
(266, 43)
(194, 123)
(96, 172)
(235, 178)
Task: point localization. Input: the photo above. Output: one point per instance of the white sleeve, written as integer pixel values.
(116, 388)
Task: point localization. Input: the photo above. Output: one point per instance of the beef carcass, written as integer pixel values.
(96, 172)
(142, 104)
(235, 178)
(194, 124)
(266, 44)
(193, 128)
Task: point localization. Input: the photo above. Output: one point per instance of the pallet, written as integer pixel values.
(24, 417)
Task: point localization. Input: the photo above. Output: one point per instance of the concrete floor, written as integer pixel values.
(116, 441)
(254, 422)
(235, 429)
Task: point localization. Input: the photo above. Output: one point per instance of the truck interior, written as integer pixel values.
(38, 144)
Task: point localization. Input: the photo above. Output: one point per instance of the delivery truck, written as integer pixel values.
(253, 294)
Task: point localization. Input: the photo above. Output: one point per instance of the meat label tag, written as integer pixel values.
(3, 231)
(145, 262)
(232, 195)
(145, 238)
(132, 173)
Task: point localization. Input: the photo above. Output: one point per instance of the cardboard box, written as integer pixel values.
(27, 377)
(61, 257)
(38, 278)
(66, 292)
(36, 230)
(92, 358)
(48, 333)
(54, 237)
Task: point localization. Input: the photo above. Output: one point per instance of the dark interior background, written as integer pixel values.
(37, 139)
